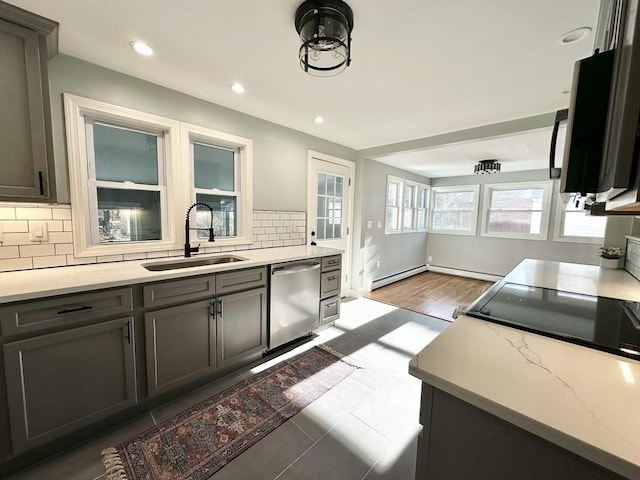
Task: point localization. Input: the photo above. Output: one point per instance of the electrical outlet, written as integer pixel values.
(38, 231)
(378, 264)
(429, 258)
(369, 224)
(379, 223)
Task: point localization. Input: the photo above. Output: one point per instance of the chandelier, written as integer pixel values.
(487, 166)
(325, 28)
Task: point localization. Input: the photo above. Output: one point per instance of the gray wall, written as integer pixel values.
(499, 255)
(278, 152)
(395, 252)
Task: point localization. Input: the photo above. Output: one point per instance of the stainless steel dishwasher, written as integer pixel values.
(294, 300)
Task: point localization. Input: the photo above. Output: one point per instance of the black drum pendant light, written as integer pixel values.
(487, 166)
(325, 28)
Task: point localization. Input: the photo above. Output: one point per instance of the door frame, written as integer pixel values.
(311, 189)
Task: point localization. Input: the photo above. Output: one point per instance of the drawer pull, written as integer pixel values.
(331, 304)
(75, 309)
(331, 279)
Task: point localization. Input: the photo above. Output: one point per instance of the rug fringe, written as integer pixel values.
(113, 464)
(341, 356)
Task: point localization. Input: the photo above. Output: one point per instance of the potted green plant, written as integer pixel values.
(610, 256)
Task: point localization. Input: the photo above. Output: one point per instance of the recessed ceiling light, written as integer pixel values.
(575, 35)
(318, 119)
(142, 48)
(237, 87)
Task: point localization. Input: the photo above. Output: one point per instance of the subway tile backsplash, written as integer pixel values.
(19, 252)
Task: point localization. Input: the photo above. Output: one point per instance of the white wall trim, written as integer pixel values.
(394, 277)
(465, 273)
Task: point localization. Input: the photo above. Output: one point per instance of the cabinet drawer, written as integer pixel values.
(331, 263)
(38, 315)
(165, 293)
(329, 284)
(329, 310)
(240, 280)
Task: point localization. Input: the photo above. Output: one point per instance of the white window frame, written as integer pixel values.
(243, 177)
(559, 227)
(413, 207)
(474, 215)
(398, 206)
(402, 182)
(78, 111)
(545, 212)
(427, 198)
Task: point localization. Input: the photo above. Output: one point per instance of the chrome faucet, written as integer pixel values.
(188, 249)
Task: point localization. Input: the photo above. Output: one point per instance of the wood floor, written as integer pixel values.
(431, 293)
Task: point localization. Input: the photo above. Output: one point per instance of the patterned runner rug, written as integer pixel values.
(200, 441)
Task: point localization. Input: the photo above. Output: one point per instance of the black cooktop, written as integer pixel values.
(602, 323)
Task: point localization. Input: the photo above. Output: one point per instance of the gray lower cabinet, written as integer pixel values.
(180, 345)
(59, 382)
(460, 441)
(330, 285)
(241, 326)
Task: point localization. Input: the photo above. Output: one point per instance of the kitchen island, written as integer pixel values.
(515, 402)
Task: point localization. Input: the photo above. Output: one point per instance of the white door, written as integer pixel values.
(329, 207)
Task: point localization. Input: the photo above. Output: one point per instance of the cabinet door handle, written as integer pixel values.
(129, 331)
(41, 182)
(220, 308)
(75, 309)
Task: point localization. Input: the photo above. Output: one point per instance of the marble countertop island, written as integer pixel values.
(581, 399)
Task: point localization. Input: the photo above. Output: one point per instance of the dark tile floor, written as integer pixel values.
(365, 428)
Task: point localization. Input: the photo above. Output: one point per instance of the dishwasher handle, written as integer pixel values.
(306, 267)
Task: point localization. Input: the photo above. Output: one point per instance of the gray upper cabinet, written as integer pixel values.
(60, 382)
(26, 152)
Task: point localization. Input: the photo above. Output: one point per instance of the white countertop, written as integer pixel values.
(582, 399)
(32, 284)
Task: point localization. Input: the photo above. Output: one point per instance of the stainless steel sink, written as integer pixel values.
(194, 262)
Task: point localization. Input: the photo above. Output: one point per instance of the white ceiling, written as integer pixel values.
(420, 67)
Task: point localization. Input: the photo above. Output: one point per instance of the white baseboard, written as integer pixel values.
(465, 273)
(381, 282)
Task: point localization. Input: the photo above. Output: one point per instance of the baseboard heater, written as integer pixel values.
(394, 277)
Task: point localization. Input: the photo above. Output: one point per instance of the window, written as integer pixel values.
(421, 207)
(409, 210)
(329, 215)
(574, 225)
(120, 165)
(220, 177)
(406, 205)
(127, 186)
(129, 189)
(455, 209)
(516, 210)
(394, 199)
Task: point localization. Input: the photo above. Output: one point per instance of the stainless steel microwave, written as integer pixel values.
(601, 154)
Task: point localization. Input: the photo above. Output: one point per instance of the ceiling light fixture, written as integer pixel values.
(325, 29)
(575, 35)
(142, 48)
(237, 87)
(318, 119)
(487, 166)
